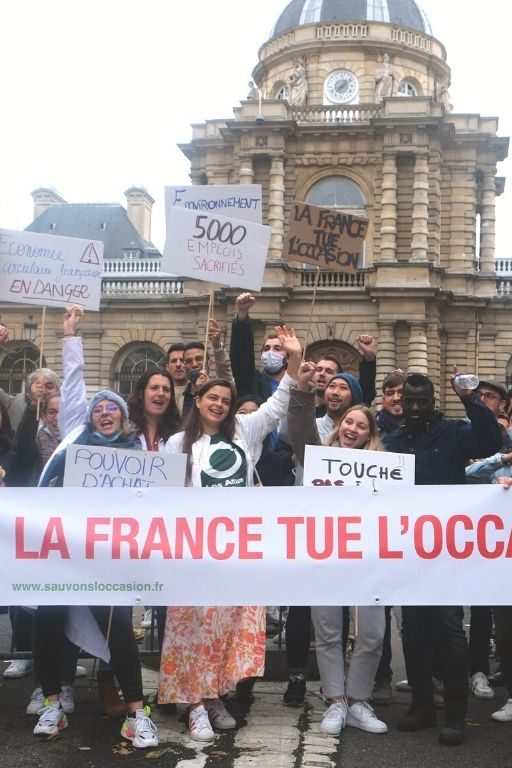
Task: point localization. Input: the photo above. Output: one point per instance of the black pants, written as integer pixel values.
(503, 622)
(480, 630)
(50, 622)
(21, 623)
(425, 630)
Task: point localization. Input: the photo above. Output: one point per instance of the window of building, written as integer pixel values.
(137, 361)
(337, 192)
(282, 93)
(406, 88)
(378, 10)
(17, 361)
(311, 12)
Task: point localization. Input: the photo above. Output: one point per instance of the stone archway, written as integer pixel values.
(348, 357)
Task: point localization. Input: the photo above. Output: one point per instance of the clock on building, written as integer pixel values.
(341, 87)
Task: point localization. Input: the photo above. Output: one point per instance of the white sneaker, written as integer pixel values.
(36, 703)
(334, 719)
(80, 671)
(140, 730)
(18, 668)
(146, 620)
(52, 719)
(504, 715)
(403, 686)
(218, 714)
(199, 725)
(479, 684)
(67, 699)
(361, 715)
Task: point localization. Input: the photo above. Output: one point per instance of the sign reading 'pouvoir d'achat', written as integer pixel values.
(50, 270)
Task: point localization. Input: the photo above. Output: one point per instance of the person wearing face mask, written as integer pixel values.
(196, 363)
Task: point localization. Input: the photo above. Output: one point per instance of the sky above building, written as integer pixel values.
(96, 96)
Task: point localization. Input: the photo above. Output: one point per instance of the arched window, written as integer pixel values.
(406, 88)
(282, 93)
(337, 192)
(134, 363)
(17, 360)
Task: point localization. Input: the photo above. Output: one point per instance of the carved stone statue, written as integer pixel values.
(253, 94)
(383, 80)
(443, 94)
(297, 84)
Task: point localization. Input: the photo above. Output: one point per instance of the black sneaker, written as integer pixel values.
(417, 718)
(295, 692)
(452, 733)
(244, 692)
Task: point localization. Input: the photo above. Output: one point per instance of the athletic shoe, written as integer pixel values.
(140, 730)
(18, 668)
(382, 692)
(218, 714)
(80, 671)
(36, 703)
(403, 686)
(295, 692)
(67, 699)
(361, 715)
(146, 620)
(504, 715)
(479, 685)
(199, 725)
(452, 732)
(334, 719)
(52, 719)
(417, 718)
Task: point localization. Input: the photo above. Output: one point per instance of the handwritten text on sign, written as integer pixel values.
(161, 546)
(90, 466)
(238, 201)
(326, 466)
(50, 270)
(325, 237)
(215, 248)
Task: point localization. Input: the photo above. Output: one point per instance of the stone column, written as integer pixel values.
(246, 170)
(434, 194)
(276, 207)
(418, 354)
(386, 358)
(388, 209)
(419, 244)
(487, 222)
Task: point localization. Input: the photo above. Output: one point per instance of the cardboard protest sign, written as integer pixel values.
(238, 201)
(50, 270)
(217, 249)
(327, 466)
(94, 466)
(325, 237)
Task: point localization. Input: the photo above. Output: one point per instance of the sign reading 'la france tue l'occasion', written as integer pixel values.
(50, 270)
(325, 237)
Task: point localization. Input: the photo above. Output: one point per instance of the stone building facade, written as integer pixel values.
(353, 111)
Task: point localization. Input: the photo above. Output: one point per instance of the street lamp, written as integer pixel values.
(30, 329)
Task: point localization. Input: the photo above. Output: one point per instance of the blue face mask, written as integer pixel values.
(272, 362)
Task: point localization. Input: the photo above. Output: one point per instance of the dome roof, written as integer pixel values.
(405, 13)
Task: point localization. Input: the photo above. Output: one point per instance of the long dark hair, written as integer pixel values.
(6, 430)
(170, 421)
(193, 426)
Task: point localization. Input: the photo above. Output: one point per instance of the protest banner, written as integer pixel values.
(95, 466)
(329, 465)
(238, 201)
(214, 248)
(401, 545)
(325, 237)
(50, 270)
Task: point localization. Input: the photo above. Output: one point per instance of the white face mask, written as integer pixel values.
(272, 362)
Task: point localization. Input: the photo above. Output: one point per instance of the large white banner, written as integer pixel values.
(95, 466)
(419, 545)
(50, 270)
(238, 201)
(326, 466)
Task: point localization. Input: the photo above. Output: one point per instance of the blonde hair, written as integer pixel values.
(373, 442)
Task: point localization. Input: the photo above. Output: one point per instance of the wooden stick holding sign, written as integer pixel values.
(210, 311)
(308, 329)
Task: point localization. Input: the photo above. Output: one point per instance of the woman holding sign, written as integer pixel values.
(348, 699)
(207, 651)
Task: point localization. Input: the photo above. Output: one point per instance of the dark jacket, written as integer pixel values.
(8, 461)
(445, 446)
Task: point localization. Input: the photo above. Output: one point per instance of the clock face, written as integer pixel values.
(341, 87)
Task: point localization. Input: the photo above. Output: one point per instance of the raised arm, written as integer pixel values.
(73, 404)
(367, 367)
(242, 347)
(301, 422)
(222, 362)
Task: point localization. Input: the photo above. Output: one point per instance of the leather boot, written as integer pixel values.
(112, 703)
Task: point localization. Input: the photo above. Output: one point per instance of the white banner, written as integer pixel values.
(419, 545)
(326, 466)
(238, 201)
(94, 466)
(214, 248)
(50, 270)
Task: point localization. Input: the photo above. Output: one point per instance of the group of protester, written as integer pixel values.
(245, 427)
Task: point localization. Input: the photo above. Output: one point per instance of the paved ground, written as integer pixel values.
(269, 735)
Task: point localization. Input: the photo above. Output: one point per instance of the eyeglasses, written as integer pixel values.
(393, 392)
(52, 412)
(98, 410)
(488, 395)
